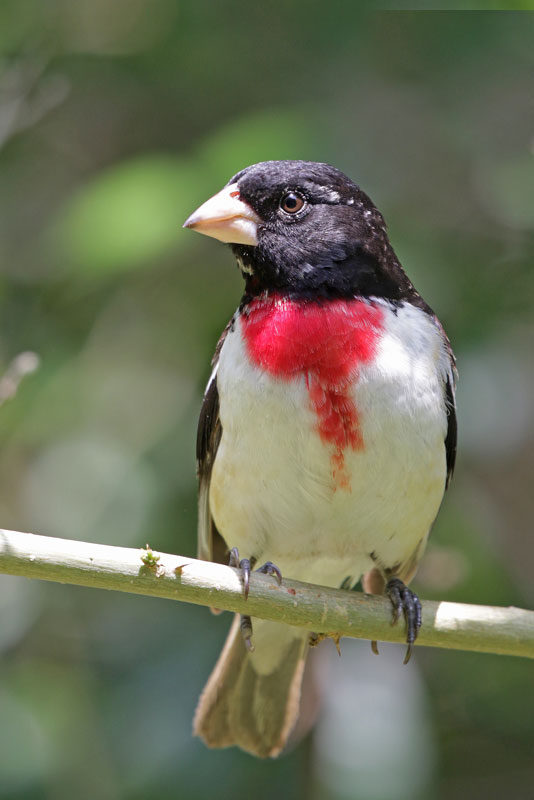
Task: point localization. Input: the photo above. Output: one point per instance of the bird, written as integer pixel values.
(327, 434)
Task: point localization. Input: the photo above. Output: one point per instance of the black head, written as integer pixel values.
(310, 232)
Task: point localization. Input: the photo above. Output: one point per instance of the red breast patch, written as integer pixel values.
(326, 342)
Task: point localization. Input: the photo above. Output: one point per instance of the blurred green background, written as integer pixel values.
(116, 120)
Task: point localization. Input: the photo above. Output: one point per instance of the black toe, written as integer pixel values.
(245, 625)
(406, 601)
(244, 565)
(271, 569)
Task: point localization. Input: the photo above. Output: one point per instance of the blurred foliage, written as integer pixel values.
(116, 121)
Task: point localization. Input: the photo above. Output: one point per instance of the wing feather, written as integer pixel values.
(452, 422)
(210, 544)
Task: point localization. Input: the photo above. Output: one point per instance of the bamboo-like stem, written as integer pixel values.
(506, 631)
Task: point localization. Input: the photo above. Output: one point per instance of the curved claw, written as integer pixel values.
(233, 561)
(245, 567)
(271, 569)
(242, 564)
(405, 600)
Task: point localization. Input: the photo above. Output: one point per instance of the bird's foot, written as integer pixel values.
(406, 601)
(245, 626)
(244, 564)
(271, 569)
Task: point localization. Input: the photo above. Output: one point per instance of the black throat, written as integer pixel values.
(345, 275)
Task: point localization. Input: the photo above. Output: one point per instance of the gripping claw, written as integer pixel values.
(271, 569)
(244, 565)
(406, 601)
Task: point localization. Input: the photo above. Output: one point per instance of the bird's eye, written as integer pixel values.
(291, 202)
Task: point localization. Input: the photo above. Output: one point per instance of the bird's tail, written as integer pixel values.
(252, 699)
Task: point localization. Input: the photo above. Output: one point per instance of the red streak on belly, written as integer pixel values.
(326, 343)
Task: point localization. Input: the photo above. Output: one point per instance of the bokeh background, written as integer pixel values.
(116, 120)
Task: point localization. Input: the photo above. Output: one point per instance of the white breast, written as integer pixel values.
(273, 494)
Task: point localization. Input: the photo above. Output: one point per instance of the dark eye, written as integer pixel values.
(291, 202)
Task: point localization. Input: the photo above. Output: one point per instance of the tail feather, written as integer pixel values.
(252, 699)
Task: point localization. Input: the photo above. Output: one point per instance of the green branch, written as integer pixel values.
(508, 631)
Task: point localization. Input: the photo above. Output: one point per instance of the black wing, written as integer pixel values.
(210, 544)
(452, 423)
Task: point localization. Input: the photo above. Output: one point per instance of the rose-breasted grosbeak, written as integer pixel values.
(327, 434)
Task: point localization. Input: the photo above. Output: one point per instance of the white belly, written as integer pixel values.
(274, 494)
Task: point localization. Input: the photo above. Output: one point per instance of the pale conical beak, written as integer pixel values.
(227, 218)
